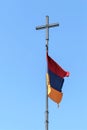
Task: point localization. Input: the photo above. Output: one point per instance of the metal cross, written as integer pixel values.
(47, 26)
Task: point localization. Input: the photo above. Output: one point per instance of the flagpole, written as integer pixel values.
(47, 42)
(47, 26)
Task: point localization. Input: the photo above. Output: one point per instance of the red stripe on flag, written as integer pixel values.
(55, 68)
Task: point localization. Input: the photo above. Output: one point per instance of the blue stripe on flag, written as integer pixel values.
(56, 82)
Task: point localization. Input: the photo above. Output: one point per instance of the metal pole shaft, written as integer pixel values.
(47, 40)
(47, 26)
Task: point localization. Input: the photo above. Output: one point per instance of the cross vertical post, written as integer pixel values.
(47, 26)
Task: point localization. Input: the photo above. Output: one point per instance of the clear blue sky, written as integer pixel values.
(23, 64)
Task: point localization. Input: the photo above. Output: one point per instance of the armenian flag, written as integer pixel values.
(55, 79)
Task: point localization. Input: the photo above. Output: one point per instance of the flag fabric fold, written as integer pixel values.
(55, 79)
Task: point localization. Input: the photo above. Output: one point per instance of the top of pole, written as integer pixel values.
(47, 26)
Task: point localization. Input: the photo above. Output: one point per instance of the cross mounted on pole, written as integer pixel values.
(47, 26)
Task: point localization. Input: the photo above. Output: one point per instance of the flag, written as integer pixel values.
(55, 79)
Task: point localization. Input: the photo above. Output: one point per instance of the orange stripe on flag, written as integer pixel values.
(55, 95)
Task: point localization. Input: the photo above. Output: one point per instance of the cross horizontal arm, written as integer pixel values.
(47, 26)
